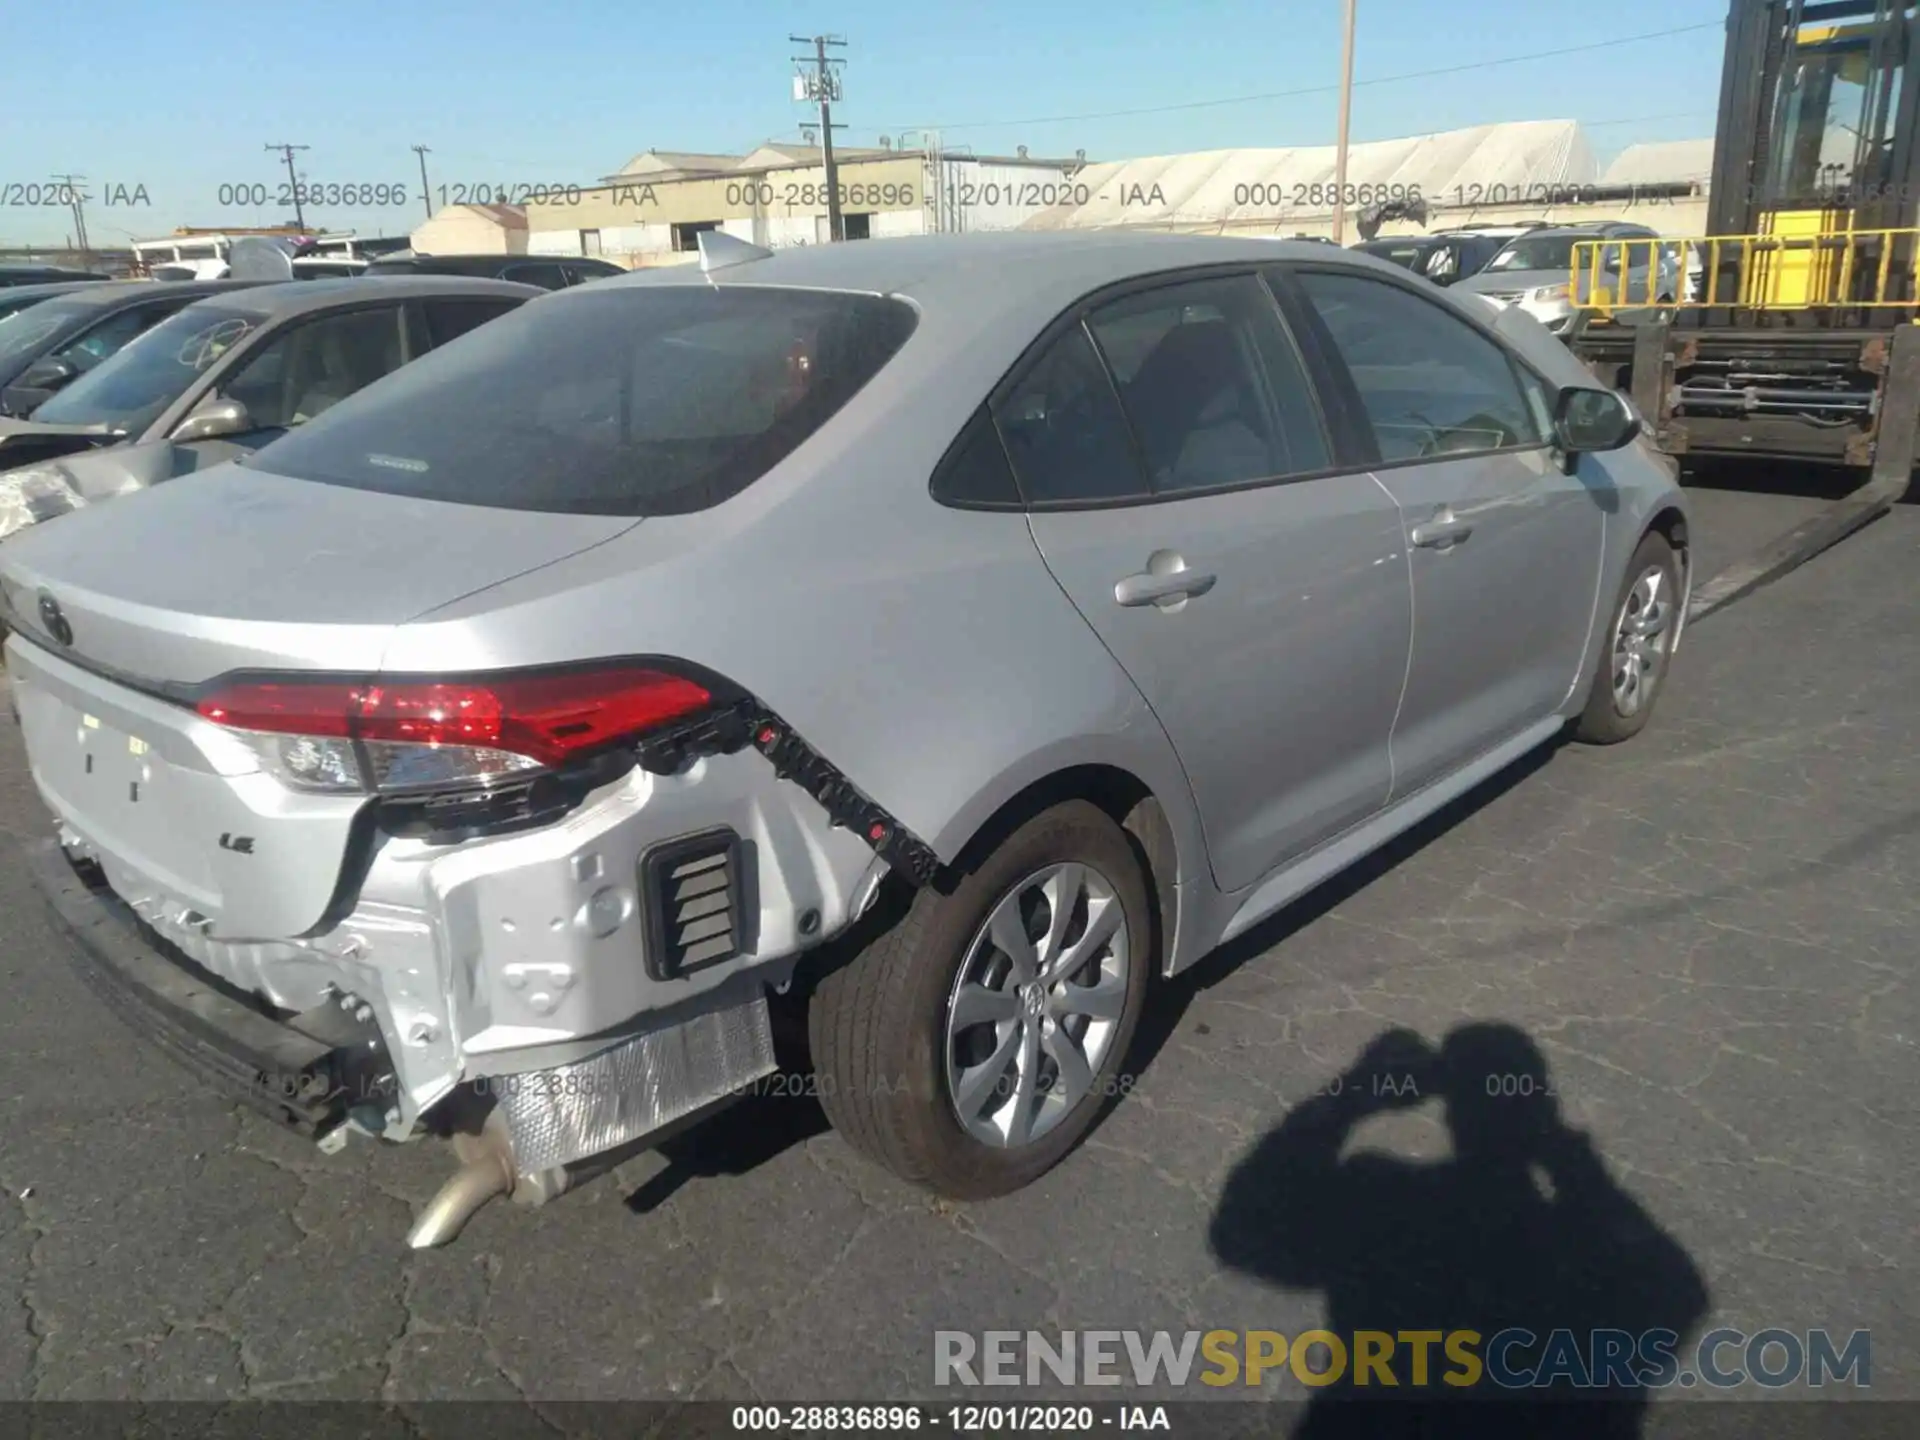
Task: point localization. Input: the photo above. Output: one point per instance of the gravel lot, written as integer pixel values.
(1708, 934)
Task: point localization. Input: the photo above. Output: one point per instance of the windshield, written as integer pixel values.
(632, 401)
(1536, 252)
(25, 331)
(129, 392)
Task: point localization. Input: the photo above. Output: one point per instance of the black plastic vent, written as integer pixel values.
(700, 903)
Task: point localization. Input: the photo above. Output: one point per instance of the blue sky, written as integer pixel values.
(187, 93)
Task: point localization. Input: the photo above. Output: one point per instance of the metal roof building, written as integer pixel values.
(1290, 188)
(1665, 162)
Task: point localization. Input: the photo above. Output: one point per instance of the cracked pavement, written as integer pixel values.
(1709, 932)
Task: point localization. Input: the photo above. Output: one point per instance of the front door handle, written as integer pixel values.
(1442, 532)
(1147, 588)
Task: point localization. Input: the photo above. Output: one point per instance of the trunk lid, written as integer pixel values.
(230, 570)
(238, 568)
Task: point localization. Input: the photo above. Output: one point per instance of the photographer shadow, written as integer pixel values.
(1521, 1228)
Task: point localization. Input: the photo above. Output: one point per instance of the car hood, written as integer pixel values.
(1493, 283)
(22, 442)
(239, 568)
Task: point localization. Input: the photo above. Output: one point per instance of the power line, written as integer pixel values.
(1322, 89)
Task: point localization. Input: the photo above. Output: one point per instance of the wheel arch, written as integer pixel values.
(1153, 826)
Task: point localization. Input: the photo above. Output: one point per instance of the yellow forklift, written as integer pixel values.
(1794, 333)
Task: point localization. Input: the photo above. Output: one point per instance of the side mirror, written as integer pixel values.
(211, 418)
(47, 373)
(1591, 420)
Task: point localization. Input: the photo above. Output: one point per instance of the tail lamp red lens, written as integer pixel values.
(547, 717)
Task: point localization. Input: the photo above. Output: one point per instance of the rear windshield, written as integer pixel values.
(635, 400)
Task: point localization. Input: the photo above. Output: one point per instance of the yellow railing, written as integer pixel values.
(1819, 268)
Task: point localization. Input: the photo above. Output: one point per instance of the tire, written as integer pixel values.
(1617, 710)
(885, 1062)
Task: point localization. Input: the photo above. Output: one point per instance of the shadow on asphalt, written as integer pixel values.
(1778, 477)
(1520, 1229)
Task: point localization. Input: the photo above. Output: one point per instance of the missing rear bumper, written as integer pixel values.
(309, 1083)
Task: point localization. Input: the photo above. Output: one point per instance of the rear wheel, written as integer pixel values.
(970, 1047)
(1633, 660)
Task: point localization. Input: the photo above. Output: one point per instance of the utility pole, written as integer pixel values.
(426, 191)
(823, 85)
(299, 216)
(76, 202)
(1340, 145)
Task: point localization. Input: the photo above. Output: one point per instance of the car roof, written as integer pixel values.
(401, 262)
(120, 292)
(297, 297)
(51, 288)
(1009, 272)
(28, 267)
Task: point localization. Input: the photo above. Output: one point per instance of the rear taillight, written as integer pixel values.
(358, 736)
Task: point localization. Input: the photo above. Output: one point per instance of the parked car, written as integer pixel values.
(1443, 259)
(44, 348)
(1024, 614)
(15, 274)
(15, 298)
(223, 377)
(549, 272)
(1535, 270)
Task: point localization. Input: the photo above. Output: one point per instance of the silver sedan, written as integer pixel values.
(952, 634)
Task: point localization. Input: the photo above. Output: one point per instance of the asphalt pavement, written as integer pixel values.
(1705, 938)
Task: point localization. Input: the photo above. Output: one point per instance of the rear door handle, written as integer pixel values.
(1147, 588)
(1442, 532)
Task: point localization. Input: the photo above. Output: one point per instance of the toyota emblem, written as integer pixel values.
(54, 621)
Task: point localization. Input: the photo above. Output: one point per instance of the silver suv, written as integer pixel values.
(954, 633)
(1535, 271)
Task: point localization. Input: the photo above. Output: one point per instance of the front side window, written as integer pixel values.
(1430, 383)
(315, 365)
(112, 334)
(648, 400)
(1064, 431)
(131, 390)
(1210, 382)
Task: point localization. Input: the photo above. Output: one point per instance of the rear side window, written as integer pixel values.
(1431, 384)
(548, 275)
(630, 400)
(1064, 431)
(975, 473)
(450, 319)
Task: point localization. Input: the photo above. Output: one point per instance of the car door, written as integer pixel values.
(1184, 492)
(1504, 546)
